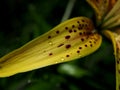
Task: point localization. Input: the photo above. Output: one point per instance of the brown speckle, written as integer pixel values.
(94, 41)
(60, 45)
(86, 25)
(84, 32)
(88, 28)
(90, 41)
(80, 47)
(67, 55)
(119, 71)
(117, 62)
(73, 26)
(68, 46)
(83, 20)
(49, 37)
(88, 33)
(70, 31)
(82, 26)
(97, 1)
(78, 22)
(80, 33)
(85, 45)
(91, 45)
(50, 54)
(66, 28)
(75, 30)
(57, 32)
(67, 37)
(78, 51)
(82, 39)
(79, 28)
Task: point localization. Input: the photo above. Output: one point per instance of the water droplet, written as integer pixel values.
(62, 59)
(79, 55)
(50, 43)
(56, 62)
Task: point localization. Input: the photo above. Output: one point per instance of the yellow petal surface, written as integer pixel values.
(69, 40)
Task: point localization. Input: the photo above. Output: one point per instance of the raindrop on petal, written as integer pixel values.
(56, 62)
(62, 59)
(50, 43)
(79, 55)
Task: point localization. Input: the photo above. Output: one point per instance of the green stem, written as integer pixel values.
(68, 10)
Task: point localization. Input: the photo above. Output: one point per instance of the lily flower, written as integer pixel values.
(108, 17)
(72, 39)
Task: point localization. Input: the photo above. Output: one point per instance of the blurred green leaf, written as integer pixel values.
(72, 70)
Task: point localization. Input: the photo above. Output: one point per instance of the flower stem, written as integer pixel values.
(68, 10)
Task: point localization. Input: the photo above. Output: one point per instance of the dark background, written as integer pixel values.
(23, 20)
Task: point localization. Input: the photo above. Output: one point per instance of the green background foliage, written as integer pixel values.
(23, 20)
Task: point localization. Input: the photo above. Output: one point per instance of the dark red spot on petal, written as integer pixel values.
(94, 41)
(79, 28)
(90, 41)
(84, 32)
(67, 55)
(75, 30)
(119, 71)
(82, 39)
(88, 33)
(73, 26)
(83, 20)
(80, 47)
(117, 62)
(88, 28)
(97, 1)
(86, 25)
(66, 28)
(91, 45)
(50, 54)
(80, 25)
(57, 32)
(80, 33)
(78, 22)
(60, 45)
(68, 46)
(78, 51)
(49, 37)
(67, 37)
(70, 31)
(85, 45)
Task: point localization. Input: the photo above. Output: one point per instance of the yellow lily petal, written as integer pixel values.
(107, 12)
(69, 40)
(112, 18)
(101, 7)
(115, 38)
